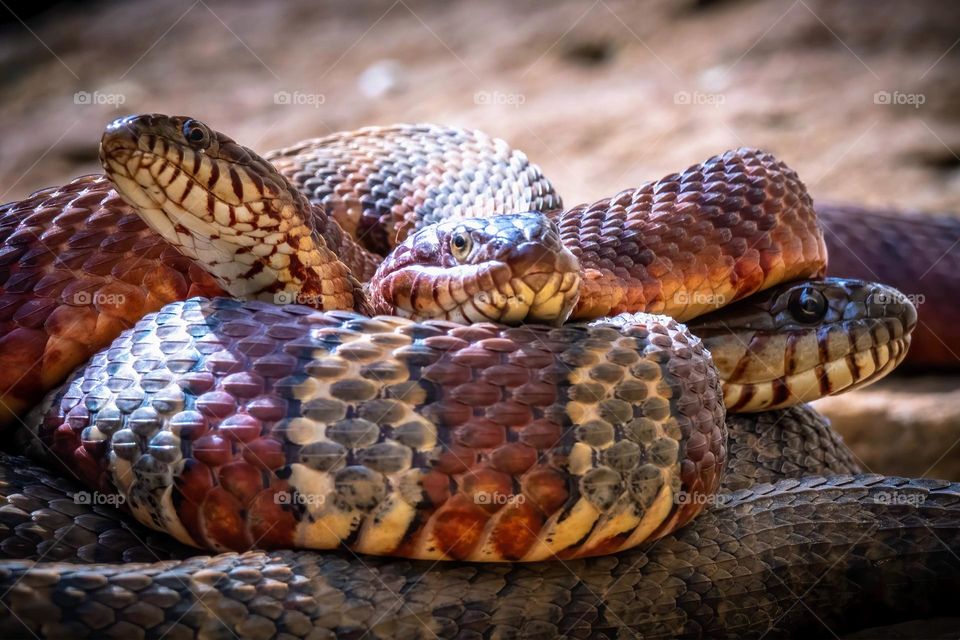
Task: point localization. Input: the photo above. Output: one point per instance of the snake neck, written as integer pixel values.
(295, 264)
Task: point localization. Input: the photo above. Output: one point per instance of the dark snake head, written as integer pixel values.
(225, 207)
(804, 340)
(508, 268)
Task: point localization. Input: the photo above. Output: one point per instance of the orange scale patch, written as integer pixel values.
(474, 332)
(447, 373)
(545, 489)
(500, 345)
(476, 357)
(510, 413)
(487, 488)
(480, 433)
(447, 412)
(241, 479)
(77, 323)
(536, 394)
(455, 459)
(458, 526)
(189, 514)
(265, 453)
(445, 343)
(507, 375)
(213, 450)
(194, 481)
(240, 428)
(271, 526)
(477, 394)
(222, 520)
(91, 470)
(436, 486)
(541, 434)
(513, 458)
(517, 530)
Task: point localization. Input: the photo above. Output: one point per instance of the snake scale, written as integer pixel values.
(261, 237)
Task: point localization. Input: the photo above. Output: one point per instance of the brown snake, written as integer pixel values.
(687, 268)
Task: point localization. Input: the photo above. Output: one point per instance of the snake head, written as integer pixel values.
(225, 207)
(508, 268)
(802, 340)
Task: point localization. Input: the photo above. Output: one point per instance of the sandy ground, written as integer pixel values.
(861, 98)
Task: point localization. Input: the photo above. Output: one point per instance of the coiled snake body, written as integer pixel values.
(219, 421)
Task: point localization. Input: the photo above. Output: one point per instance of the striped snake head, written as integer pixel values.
(225, 207)
(508, 268)
(803, 340)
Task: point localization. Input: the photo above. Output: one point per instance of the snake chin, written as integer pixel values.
(855, 371)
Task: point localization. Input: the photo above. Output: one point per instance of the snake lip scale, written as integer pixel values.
(232, 425)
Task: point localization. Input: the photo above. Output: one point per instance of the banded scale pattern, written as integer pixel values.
(44, 519)
(238, 424)
(380, 183)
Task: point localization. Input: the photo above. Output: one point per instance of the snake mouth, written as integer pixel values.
(802, 341)
(509, 269)
(127, 164)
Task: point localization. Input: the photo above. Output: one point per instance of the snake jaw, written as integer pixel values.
(516, 270)
(769, 359)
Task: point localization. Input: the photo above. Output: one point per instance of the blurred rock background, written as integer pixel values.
(862, 98)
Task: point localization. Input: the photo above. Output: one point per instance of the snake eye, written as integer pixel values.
(196, 134)
(460, 245)
(807, 305)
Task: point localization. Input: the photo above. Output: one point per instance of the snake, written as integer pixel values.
(262, 237)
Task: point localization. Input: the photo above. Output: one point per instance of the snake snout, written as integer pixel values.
(509, 268)
(887, 302)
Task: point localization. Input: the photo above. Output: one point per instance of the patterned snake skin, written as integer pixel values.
(767, 560)
(379, 183)
(124, 422)
(232, 425)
